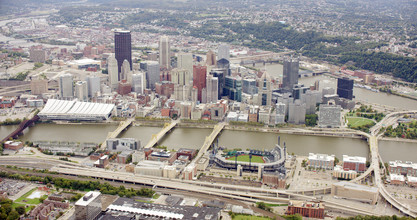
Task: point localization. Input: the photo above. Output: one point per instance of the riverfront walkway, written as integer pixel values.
(122, 126)
(156, 138)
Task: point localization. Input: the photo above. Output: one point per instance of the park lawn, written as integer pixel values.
(250, 217)
(245, 158)
(356, 122)
(27, 209)
(34, 201)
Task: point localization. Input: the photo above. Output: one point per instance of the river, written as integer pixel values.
(275, 70)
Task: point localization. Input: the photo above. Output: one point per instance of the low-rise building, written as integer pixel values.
(355, 191)
(355, 163)
(122, 144)
(340, 173)
(306, 209)
(412, 181)
(13, 145)
(321, 161)
(407, 168)
(274, 179)
(396, 179)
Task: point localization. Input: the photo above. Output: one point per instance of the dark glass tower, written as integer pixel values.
(345, 88)
(290, 73)
(122, 48)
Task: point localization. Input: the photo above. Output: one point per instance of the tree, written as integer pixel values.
(13, 215)
(336, 161)
(21, 210)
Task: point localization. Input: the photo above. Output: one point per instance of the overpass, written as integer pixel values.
(249, 194)
(122, 126)
(209, 140)
(157, 137)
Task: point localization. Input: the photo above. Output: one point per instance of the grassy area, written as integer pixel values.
(245, 158)
(249, 217)
(356, 122)
(27, 209)
(34, 201)
(273, 205)
(145, 201)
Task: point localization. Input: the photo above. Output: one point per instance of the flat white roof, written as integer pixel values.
(394, 176)
(354, 159)
(322, 157)
(355, 186)
(150, 212)
(92, 195)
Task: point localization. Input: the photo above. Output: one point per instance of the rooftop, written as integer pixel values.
(354, 159)
(355, 186)
(88, 198)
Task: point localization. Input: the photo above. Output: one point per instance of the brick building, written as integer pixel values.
(306, 209)
(355, 163)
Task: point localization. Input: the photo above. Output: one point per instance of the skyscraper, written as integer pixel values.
(290, 73)
(122, 48)
(185, 61)
(112, 72)
(93, 85)
(264, 90)
(137, 83)
(181, 76)
(345, 88)
(125, 71)
(223, 52)
(152, 73)
(66, 88)
(81, 90)
(211, 58)
(212, 84)
(164, 50)
(199, 79)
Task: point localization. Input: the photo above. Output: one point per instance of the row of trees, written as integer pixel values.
(104, 188)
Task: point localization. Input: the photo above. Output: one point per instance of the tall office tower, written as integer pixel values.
(199, 79)
(224, 64)
(309, 98)
(124, 73)
(264, 90)
(345, 88)
(66, 88)
(290, 73)
(122, 48)
(212, 84)
(211, 58)
(138, 82)
(280, 113)
(152, 73)
(112, 72)
(81, 91)
(93, 85)
(194, 94)
(249, 86)
(223, 52)
(220, 74)
(297, 112)
(233, 88)
(329, 116)
(181, 76)
(164, 50)
(185, 61)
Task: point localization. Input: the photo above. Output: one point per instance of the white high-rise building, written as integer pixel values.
(81, 91)
(164, 52)
(181, 76)
(112, 72)
(212, 88)
(125, 72)
(138, 82)
(66, 87)
(152, 74)
(185, 61)
(223, 52)
(93, 85)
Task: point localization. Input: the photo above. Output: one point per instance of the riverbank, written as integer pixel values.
(398, 139)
